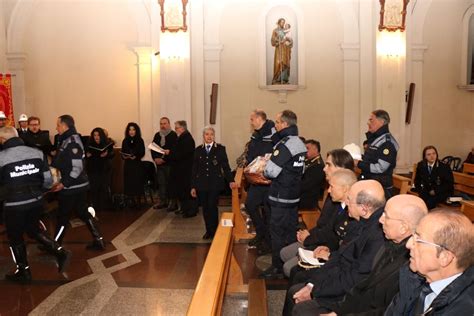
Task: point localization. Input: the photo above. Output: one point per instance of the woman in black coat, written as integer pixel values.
(211, 171)
(133, 150)
(434, 180)
(99, 153)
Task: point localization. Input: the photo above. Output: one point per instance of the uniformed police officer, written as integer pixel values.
(434, 180)
(313, 177)
(285, 168)
(261, 143)
(74, 183)
(211, 170)
(380, 158)
(22, 125)
(25, 176)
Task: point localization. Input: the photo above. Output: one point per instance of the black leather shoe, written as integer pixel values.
(207, 236)
(272, 273)
(187, 215)
(63, 257)
(22, 276)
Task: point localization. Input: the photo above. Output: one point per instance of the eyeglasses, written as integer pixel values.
(417, 239)
(388, 217)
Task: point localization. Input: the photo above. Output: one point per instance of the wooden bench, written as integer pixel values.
(400, 182)
(467, 207)
(239, 195)
(221, 274)
(257, 298)
(463, 182)
(468, 168)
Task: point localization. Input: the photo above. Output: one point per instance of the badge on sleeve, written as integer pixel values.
(276, 152)
(386, 151)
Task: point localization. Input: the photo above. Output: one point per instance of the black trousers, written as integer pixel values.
(99, 189)
(306, 308)
(283, 226)
(256, 197)
(208, 200)
(19, 221)
(67, 203)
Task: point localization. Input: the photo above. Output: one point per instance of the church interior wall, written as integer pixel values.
(319, 105)
(448, 112)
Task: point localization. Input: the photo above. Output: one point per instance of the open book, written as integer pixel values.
(307, 257)
(153, 146)
(101, 149)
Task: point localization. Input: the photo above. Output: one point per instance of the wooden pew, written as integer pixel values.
(220, 274)
(463, 182)
(467, 207)
(239, 195)
(401, 183)
(468, 168)
(257, 298)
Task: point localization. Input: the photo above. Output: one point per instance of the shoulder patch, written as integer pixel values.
(276, 152)
(386, 151)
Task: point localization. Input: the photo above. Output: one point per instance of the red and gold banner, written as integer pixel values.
(6, 104)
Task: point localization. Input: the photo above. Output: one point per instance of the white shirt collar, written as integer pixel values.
(438, 286)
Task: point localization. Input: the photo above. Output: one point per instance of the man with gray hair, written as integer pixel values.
(372, 296)
(439, 279)
(285, 167)
(24, 177)
(353, 261)
(380, 157)
(181, 159)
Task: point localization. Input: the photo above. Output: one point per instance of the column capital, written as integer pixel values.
(144, 54)
(16, 61)
(418, 52)
(212, 52)
(350, 51)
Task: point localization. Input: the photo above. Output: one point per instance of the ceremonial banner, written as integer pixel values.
(6, 104)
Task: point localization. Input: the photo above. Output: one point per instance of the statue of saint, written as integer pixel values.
(283, 43)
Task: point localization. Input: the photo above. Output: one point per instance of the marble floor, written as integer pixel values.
(150, 267)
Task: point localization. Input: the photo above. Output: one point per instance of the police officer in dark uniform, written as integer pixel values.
(261, 143)
(211, 171)
(313, 177)
(24, 177)
(380, 158)
(433, 180)
(23, 125)
(74, 183)
(285, 168)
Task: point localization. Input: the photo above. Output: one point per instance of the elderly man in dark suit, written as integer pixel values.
(353, 261)
(372, 295)
(181, 158)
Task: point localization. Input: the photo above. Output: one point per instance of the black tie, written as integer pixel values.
(420, 303)
(429, 169)
(208, 148)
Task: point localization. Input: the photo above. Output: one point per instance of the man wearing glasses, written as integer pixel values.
(440, 277)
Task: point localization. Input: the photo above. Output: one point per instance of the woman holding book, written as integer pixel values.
(99, 154)
(133, 150)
